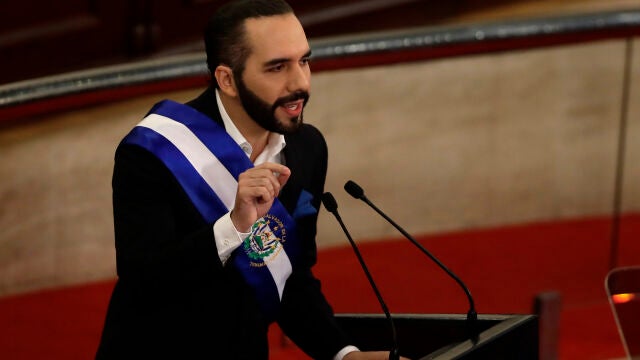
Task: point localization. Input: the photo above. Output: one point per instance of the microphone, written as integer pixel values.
(332, 206)
(357, 192)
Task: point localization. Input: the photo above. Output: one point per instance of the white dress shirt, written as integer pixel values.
(226, 236)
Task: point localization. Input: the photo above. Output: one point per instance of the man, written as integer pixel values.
(215, 207)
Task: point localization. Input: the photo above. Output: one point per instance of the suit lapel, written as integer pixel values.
(291, 191)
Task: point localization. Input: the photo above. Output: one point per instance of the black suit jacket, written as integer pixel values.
(174, 298)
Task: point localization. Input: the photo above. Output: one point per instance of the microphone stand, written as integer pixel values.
(332, 206)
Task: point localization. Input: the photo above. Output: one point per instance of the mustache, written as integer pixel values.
(298, 95)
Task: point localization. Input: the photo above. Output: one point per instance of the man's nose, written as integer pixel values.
(299, 78)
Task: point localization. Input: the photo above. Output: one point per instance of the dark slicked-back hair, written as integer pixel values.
(224, 36)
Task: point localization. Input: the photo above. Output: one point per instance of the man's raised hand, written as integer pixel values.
(258, 187)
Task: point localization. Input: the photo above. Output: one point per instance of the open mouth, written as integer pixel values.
(293, 109)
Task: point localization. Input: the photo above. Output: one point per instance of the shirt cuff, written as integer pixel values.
(345, 351)
(227, 237)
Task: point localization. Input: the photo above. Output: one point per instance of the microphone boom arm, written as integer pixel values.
(472, 315)
(357, 192)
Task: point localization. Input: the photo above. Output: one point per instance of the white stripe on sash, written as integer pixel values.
(280, 268)
(205, 163)
(217, 177)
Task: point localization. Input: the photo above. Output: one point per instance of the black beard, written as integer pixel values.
(264, 114)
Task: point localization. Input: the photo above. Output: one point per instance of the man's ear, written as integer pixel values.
(226, 83)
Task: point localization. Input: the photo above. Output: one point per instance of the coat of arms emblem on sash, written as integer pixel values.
(265, 240)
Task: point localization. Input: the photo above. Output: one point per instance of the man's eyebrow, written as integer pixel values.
(277, 61)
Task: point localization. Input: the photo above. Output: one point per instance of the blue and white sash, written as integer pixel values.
(206, 161)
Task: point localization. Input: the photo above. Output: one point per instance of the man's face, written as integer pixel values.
(275, 84)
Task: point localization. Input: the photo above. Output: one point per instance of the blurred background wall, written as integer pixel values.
(39, 38)
(450, 144)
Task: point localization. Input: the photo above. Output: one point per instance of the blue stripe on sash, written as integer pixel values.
(257, 277)
(202, 196)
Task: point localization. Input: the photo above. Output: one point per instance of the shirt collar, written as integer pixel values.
(275, 143)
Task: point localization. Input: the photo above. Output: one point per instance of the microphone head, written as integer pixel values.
(329, 202)
(354, 189)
